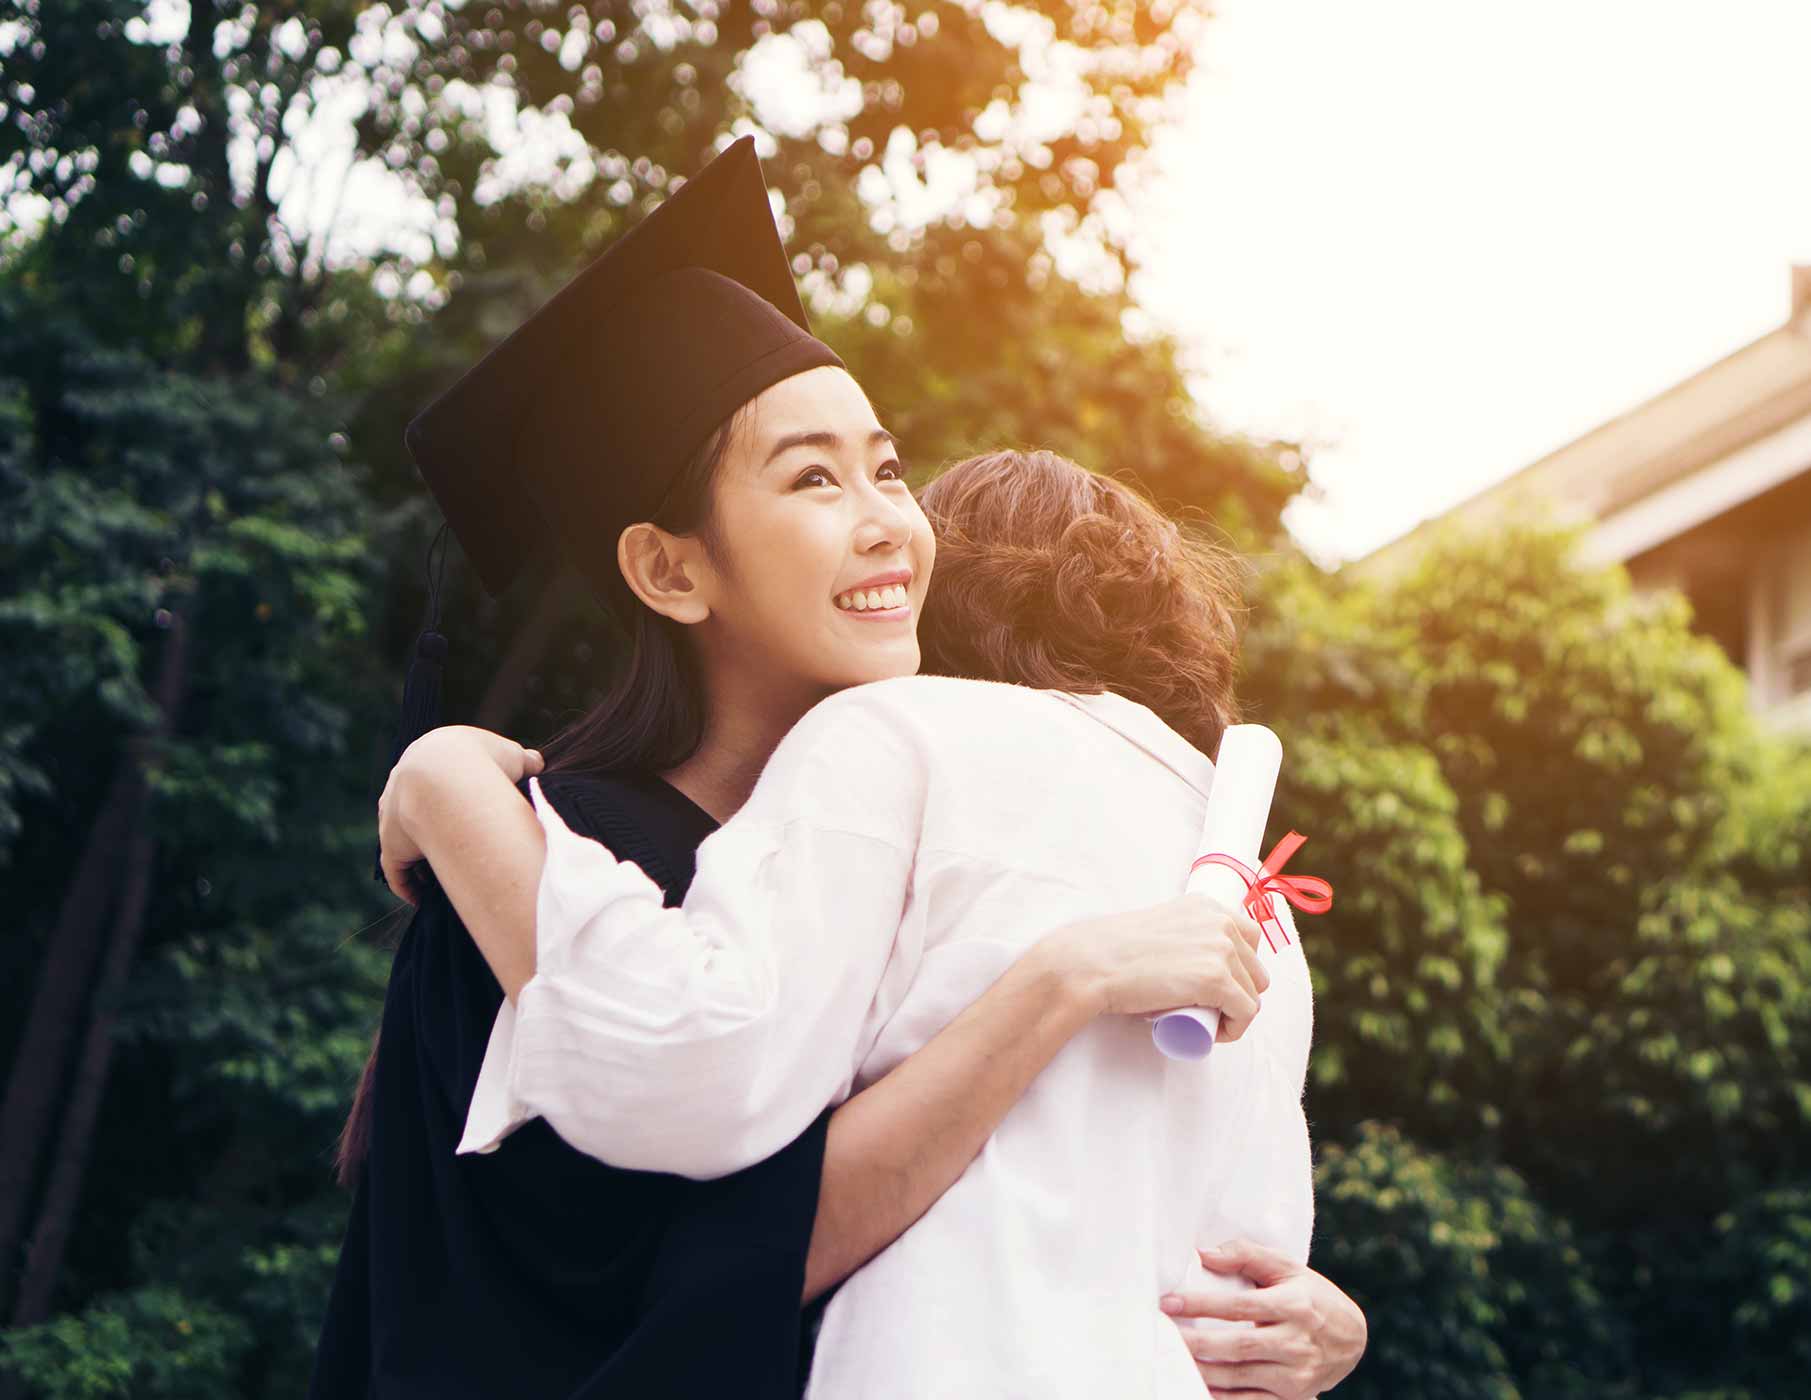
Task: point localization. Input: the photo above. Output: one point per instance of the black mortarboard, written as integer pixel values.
(573, 428)
(575, 425)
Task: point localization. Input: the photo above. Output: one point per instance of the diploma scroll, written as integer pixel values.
(1238, 806)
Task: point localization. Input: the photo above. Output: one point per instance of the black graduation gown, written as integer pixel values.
(536, 1270)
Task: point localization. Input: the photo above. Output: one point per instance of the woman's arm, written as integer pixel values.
(697, 1040)
(897, 1146)
(452, 802)
(702, 1039)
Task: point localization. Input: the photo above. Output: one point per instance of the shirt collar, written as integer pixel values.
(1141, 728)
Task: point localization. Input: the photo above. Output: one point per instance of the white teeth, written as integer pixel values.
(868, 600)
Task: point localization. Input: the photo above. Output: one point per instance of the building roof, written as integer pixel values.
(1748, 416)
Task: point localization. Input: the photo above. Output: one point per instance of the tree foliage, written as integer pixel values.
(144, 493)
(1470, 1286)
(1572, 943)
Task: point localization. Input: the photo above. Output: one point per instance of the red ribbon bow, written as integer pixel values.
(1309, 893)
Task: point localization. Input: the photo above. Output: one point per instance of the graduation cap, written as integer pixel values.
(574, 427)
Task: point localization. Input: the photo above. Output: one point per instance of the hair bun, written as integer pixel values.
(1048, 575)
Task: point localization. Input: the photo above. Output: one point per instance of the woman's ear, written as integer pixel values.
(664, 571)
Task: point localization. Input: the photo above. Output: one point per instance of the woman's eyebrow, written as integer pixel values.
(822, 438)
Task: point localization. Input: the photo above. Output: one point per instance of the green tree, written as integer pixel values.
(185, 598)
(154, 146)
(1469, 1285)
(1574, 937)
(153, 1343)
(1763, 1266)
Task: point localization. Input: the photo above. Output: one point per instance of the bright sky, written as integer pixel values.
(1437, 238)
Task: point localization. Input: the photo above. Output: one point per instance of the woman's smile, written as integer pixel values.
(883, 598)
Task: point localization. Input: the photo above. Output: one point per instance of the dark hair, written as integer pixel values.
(652, 717)
(1050, 575)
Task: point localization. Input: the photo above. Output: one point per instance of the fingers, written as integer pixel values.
(466, 743)
(1238, 1008)
(1277, 1361)
(1240, 932)
(1239, 1004)
(516, 762)
(396, 876)
(1249, 978)
(1259, 1379)
(1200, 908)
(1238, 999)
(1262, 1265)
(1243, 1306)
(1254, 967)
(1222, 1304)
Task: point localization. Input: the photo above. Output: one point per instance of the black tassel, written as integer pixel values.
(421, 690)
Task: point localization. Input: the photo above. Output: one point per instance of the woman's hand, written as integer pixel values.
(436, 751)
(1190, 951)
(1309, 1334)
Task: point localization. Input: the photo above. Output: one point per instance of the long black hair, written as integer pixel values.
(651, 719)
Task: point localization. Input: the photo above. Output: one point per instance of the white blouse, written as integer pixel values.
(905, 844)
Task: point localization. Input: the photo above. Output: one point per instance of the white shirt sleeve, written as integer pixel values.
(701, 1040)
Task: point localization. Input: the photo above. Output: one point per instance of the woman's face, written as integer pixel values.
(819, 555)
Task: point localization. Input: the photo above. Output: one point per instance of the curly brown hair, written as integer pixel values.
(1050, 575)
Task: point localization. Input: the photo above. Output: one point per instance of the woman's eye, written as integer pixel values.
(892, 471)
(817, 476)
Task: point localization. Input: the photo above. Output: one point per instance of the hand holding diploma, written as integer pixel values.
(1245, 777)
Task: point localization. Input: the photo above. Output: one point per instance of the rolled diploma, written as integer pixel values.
(1238, 806)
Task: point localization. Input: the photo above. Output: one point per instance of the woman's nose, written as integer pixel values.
(885, 523)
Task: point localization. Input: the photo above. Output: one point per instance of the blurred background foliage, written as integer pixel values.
(1559, 1090)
